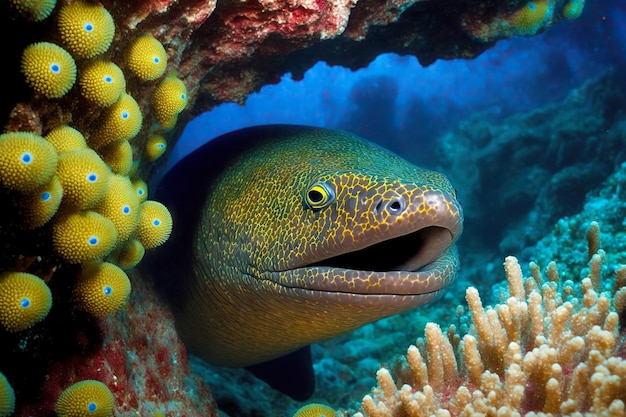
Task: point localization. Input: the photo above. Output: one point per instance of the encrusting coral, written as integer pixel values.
(550, 348)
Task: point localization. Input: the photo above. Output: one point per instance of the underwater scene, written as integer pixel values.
(272, 208)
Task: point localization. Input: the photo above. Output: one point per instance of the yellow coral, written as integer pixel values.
(27, 161)
(88, 398)
(102, 82)
(65, 138)
(102, 288)
(83, 236)
(35, 10)
(129, 255)
(531, 17)
(141, 188)
(120, 205)
(155, 147)
(315, 410)
(118, 156)
(573, 9)
(86, 29)
(122, 121)
(155, 224)
(168, 100)
(37, 207)
(146, 58)
(7, 397)
(84, 177)
(25, 299)
(48, 69)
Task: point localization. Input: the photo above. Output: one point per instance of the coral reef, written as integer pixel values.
(551, 347)
(99, 129)
(569, 148)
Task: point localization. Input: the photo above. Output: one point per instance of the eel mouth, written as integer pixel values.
(405, 253)
(420, 263)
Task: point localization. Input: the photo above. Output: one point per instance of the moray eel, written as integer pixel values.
(288, 235)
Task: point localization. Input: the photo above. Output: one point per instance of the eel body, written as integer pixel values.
(289, 235)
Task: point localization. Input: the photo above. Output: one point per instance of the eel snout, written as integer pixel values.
(416, 257)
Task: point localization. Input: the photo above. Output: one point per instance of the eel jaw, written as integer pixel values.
(395, 267)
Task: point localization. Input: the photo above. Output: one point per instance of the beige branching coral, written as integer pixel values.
(552, 348)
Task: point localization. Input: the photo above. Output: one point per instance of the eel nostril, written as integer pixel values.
(378, 207)
(396, 205)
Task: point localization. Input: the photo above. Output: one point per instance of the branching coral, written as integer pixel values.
(551, 348)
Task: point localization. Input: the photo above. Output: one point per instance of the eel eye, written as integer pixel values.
(319, 195)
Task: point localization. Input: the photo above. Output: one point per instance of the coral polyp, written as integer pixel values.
(83, 236)
(155, 147)
(146, 58)
(168, 100)
(25, 299)
(84, 177)
(37, 207)
(27, 161)
(129, 254)
(7, 397)
(34, 10)
(122, 121)
(65, 138)
(120, 205)
(86, 29)
(531, 17)
(89, 398)
(155, 224)
(102, 288)
(49, 69)
(102, 82)
(141, 188)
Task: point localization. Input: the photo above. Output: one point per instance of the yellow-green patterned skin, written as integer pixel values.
(265, 276)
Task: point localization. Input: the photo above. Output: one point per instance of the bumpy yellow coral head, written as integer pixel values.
(155, 224)
(102, 82)
(129, 254)
(118, 156)
(315, 410)
(37, 207)
(48, 69)
(531, 17)
(102, 288)
(84, 177)
(35, 10)
(65, 138)
(25, 299)
(141, 188)
(120, 205)
(87, 398)
(122, 121)
(86, 29)
(146, 58)
(155, 147)
(573, 9)
(27, 161)
(7, 397)
(168, 100)
(83, 236)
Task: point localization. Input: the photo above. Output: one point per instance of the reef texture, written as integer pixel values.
(117, 100)
(552, 346)
(536, 167)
